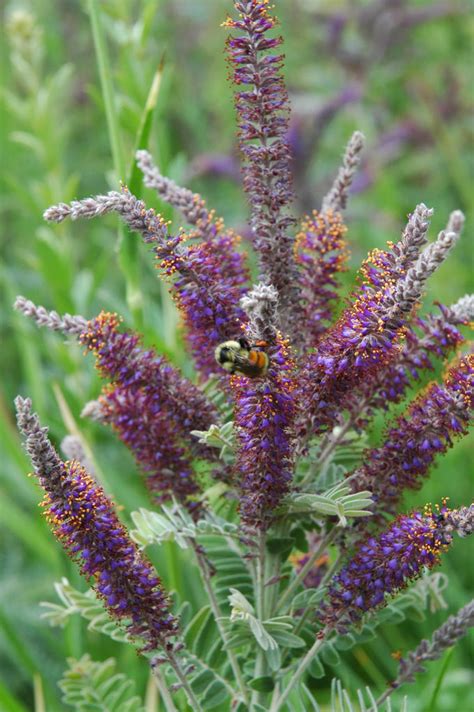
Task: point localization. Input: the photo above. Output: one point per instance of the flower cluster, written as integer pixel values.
(264, 417)
(368, 335)
(435, 336)
(208, 302)
(150, 405)
(321, 253)
(263, 110)
(382, 566)
(426, 430)
(84, 521)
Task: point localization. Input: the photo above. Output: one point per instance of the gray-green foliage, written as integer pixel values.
(90, 686)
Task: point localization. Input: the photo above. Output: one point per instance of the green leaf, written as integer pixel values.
(214, 696)
(276, 546)
(262, 684)
(273, 658)
(309, 597)
(344, 642)
(91, 686)
(315, 668)
(288, 640)
(330, 655)
(194, 628)
(143, 133)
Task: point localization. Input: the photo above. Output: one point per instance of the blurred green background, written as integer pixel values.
(74, 87)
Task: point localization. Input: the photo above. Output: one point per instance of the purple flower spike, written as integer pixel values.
(436, 336)
(432, 421)
(264, 417)
(208, 301)
(262, 108)
(84, 521)
(150, 433)
(121, 359)
(384, 565)
(368, 334)
(321, 253)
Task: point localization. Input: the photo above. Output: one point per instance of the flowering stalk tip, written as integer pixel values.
(83, 519)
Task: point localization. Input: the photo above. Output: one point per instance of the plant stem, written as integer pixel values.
(193, 701)
(299, 578)
(279, 700)
(329, 573)
(163, 690)
(206, 579)
(260, 661)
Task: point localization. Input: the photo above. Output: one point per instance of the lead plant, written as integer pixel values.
(244, 471)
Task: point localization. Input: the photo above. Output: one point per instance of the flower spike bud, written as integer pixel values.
(336, 199)
(261, 307)
(409, 291)
(447, 635)
(190, 204)
(456, 222)
(84, 521)
(461, 520)
(463, 310)
(73, 449)
(66, 323)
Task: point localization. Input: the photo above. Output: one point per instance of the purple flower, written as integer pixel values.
(146, 428)
(410, 447)
(209, 301)
(367, 336)
(121, 359)
(321, 253)
(262, 108)
(435, 336)
(264, 417)
(207, 287)
(384, 565)
(83, 519)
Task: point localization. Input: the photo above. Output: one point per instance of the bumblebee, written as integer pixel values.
(241, 356)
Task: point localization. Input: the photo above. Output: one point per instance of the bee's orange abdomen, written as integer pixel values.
(254, 358)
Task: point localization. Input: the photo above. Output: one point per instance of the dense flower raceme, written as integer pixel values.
(150, 404)
(84, 521)
(263, 111)
(264, 417)
(152, 408)
(321, 253)
(436, 336)
(209, 302)
(264, 414)
(121, 358)
(368, 335)
(382, 566)
(145, 428)
(426, 430)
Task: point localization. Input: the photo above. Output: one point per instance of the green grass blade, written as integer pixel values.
(127, 244)
(143, 133)
(8, 703)
(432, 706)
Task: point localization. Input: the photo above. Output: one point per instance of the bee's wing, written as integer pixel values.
(240, 360)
